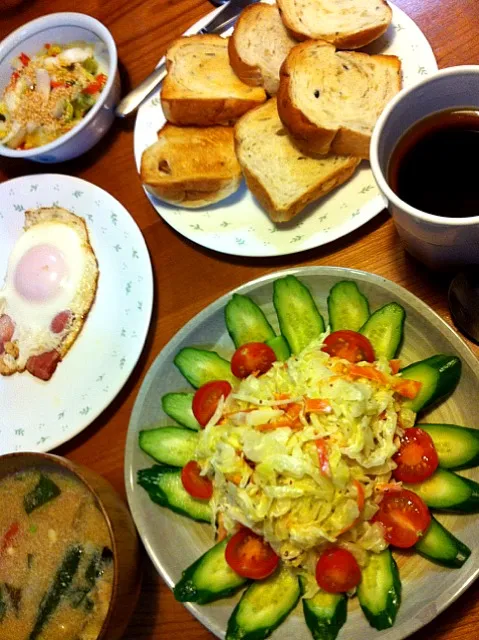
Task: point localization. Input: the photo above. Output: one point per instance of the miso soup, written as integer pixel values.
(56, 560)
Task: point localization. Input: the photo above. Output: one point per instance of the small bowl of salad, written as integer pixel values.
(59, 85)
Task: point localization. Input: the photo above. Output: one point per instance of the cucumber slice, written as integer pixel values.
(164, 487)
(441, 547)
(384, 330)
(246, 322)
(209, 578)
(446, 491)
(174, 446)
(439, 376)
(457, 447)
(348, 308)
(379, 591)
(200, 366)
(299, 319)
(178, 406)
(264, 606)
(325, 614)
(280, 347)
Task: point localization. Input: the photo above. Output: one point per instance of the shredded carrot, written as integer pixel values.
(282, 396)
(407, 388)
(395, 365)
(360, 490)
(318, 405)
(293, 409)
(235, 478)
(323, 461)
(371, 373)
(221, 532)
(388, 486)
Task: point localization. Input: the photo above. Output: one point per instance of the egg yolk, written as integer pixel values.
(41, 273)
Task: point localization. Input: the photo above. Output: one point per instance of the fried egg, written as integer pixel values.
(50, 286)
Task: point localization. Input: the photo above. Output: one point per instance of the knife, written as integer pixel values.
(215, 22)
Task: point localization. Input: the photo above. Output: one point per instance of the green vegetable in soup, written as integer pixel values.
(45, 491)
(58, 588)
(90, 65)
(3, 605)
(82, 104)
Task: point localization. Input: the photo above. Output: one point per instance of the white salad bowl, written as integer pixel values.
(63, 28)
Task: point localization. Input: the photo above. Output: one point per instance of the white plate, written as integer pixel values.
(173, 542)
(239, 226)
(37, 415)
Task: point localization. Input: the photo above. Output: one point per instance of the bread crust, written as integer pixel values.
(201, 88)
(316, 135)
(191, 166)
(342, 37)
(322, 179)
(259, 44)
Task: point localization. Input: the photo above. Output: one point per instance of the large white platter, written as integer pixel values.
(173, 542)
(239, 226)
(37, 415)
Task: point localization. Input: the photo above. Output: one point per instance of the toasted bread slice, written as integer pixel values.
(201, 88)
(348, 24)
(259, 45)
(282, 178)
(191, 166)
(330, 100)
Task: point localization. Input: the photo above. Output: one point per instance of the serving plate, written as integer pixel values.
(37, 415)
(173, 542)
(239, 226)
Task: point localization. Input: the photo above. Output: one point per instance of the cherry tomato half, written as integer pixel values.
(404, 516)
(196, 485)
(337, 570)
(416, 458)
(252, 357)
(250, 556)
(206, 399)
(349, 345)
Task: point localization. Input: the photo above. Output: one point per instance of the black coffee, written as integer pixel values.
(434, 166)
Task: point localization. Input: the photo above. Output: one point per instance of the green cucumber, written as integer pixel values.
(457, 447)
(446, 491)
(264, 606)
(439, 376)
(299, 319)
(44, 491)
(178, 406)
(280, 347)
(441, 547)
(384, 330)
(246, 322)
(325, 614)
(200, 366)
(174, 446)
(164, 487)
(209, 578)
(348, 308)
(379, 591)
(60, 585)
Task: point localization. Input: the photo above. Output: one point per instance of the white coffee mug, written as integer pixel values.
(439, 242)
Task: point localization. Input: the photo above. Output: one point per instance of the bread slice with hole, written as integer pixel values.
(191, 166)
(348, 24)
(283, 179)
(330, 100)
(259, 45)
(201, 88)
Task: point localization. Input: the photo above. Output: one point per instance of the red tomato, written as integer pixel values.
(250, 556)
(349, 345)
(195, 484)
(404, 517)
(251, 358)
(416, 458)
(24, 59)
(206, 399)
(97, 85)
(337, 571)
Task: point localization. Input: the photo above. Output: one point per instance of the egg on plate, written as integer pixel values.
(50, 286)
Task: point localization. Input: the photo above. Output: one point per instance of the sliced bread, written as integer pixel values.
(330, 100)
(259, 45)
(191, 166)
(283, 179)
(348, 24)
(201, 88)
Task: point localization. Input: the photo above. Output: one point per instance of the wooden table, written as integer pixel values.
(189, 277)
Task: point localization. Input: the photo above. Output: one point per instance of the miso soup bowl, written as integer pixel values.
(63, 28)
(124, 539)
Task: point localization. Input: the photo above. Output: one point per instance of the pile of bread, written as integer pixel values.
(294, 118)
